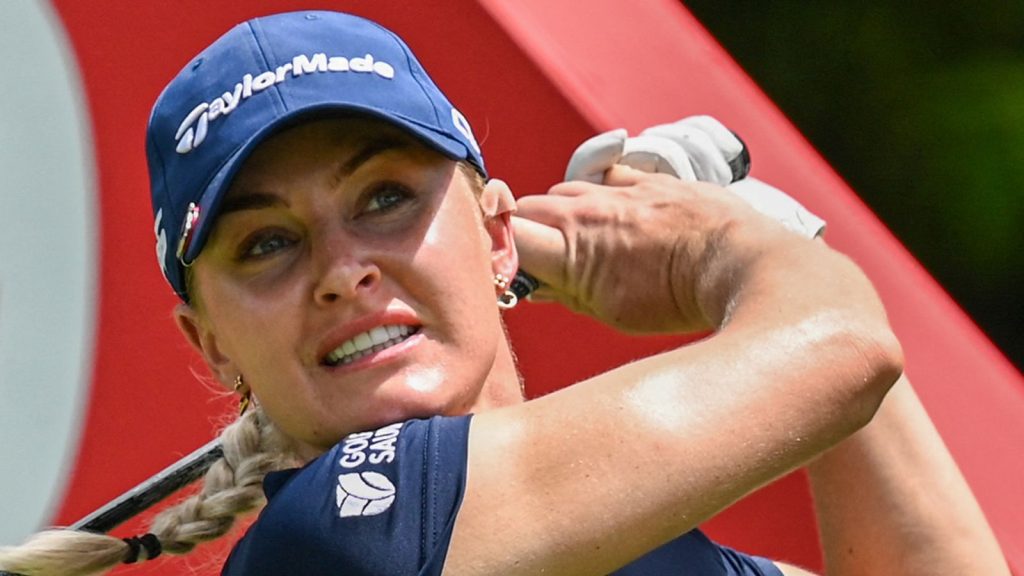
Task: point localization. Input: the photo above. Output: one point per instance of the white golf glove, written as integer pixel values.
(694, 148)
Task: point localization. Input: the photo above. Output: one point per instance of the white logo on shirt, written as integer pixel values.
(367, 493)
(364, 494)
(376, 447)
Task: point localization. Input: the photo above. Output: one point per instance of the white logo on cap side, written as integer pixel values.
(194, 129)
(364, 494)
(462, 125)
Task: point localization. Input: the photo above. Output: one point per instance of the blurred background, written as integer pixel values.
(920, 107)
(914, 105)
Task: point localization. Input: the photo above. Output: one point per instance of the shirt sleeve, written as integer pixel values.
(379, 502)
(739, 563)
(694, 553)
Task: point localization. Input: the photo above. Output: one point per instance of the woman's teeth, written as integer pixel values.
(369, 342)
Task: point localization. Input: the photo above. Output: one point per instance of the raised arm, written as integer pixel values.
(890, 500)
(586, 479)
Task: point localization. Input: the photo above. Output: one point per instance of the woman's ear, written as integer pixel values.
(204, 341)
(498, 205)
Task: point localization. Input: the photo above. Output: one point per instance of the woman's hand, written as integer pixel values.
(643, 252)
(632, 458)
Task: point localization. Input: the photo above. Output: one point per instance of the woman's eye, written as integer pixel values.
(263, 245)
(386, 197)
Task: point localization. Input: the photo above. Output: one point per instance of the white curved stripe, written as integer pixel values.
(47, 264)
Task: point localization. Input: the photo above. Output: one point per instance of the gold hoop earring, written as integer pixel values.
(507, 300)
(245, 395)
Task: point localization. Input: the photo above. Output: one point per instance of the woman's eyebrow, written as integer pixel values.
(258, 200)
(250, 201)
(368, 151)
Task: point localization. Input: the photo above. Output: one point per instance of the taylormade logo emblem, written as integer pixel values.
(195, 127)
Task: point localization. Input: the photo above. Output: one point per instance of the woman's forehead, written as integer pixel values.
(344, 143)
(351, 131)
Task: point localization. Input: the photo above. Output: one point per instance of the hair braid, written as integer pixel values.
(232, 486)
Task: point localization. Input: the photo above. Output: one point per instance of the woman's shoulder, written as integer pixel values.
(380, 501)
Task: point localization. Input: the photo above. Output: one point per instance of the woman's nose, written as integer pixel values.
(346, 272)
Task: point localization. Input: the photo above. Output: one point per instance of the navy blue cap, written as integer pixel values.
(260, 77)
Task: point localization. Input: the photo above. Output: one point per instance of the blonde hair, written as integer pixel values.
(232, 486)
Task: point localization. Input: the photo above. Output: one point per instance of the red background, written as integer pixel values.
(535, 78)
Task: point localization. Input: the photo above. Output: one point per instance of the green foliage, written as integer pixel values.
(920, 106)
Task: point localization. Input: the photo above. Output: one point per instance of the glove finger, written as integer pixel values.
(594, 156)
(779, 206)
(709, 163)
(728, 142)
(656, 154)
(725, 140)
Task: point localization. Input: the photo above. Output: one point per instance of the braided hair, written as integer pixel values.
(252, 447)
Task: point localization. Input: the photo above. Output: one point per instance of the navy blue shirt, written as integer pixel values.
(384, 503)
